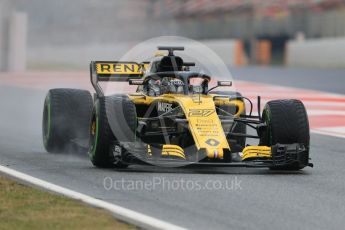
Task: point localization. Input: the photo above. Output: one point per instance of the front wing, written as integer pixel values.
(279, 155)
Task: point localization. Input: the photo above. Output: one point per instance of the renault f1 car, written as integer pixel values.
(173, 119)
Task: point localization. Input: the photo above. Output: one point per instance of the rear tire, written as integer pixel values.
(66, 118)
(114, 120)
(287, 123)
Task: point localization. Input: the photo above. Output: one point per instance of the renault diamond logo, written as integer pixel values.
(212, 142)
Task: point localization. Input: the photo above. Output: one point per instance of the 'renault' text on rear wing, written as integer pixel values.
(115, 71)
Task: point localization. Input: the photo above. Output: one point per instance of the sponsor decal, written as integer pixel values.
(212, 142)
(164, 107)
(176, 82)
(117, 151)
(200, 112)
(135, 82)
(120, 68)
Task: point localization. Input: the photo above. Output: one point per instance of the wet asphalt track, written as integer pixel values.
(329, 80)
(309, 199)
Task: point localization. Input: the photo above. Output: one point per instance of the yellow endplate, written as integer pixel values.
(173, 150)
(256, 151)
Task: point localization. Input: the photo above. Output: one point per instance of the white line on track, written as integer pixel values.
(318, 112)
(130, 216)
(328, 133)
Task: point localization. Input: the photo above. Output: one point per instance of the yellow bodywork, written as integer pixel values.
(203, 121)
(173, 150)
(251, 152)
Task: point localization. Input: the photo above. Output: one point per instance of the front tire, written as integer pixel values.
(114, 120)
(66, 115)
(287, 123)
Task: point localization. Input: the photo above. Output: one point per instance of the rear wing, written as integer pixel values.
(115, 71)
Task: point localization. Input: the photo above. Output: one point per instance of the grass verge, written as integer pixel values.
(22, 207)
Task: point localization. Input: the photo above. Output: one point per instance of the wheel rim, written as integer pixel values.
(93, 134)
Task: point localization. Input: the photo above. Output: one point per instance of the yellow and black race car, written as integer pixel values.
(173, 119)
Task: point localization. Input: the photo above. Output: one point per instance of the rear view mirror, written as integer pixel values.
(225, 83)
(220, 83)
(136, 82)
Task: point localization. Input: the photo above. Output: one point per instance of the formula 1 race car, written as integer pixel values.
(173, 119)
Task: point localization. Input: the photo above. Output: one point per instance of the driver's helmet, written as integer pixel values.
(172, 85)
(154, 87)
